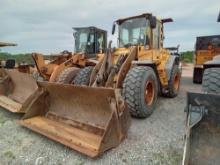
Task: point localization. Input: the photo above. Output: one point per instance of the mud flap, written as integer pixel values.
(16, 90)
(202, 134)
(197, 75)
(89, 120)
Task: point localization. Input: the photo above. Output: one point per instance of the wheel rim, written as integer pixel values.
(176, 81)
(149, 93)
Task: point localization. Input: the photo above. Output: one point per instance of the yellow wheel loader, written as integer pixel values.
(140, 67)
(92, 115)
(207, 47)
(90, 44)
(202, 124)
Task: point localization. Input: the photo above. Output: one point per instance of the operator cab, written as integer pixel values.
(90, 40)
(142, 30)
(134, 32)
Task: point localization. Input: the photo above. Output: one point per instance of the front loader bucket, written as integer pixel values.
(89, 120)
(17, 90)
(202, 138)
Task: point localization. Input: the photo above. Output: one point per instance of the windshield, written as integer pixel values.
(134, 32)
(84, 41)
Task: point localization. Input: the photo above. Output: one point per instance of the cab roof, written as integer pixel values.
(144, 15)
(90, 28)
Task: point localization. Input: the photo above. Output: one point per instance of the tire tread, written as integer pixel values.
(132, 88)
(211, 80)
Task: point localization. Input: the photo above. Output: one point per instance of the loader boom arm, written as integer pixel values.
(103, 72)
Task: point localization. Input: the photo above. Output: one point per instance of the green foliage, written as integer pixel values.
(187, 56)
(21, 57)
(18, 57)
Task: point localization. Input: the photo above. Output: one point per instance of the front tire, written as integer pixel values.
(211, 80)
(140, 91)
(83, 77)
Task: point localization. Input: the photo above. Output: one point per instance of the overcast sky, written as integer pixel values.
(46, 25)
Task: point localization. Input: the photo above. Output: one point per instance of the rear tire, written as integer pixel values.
(140, 90)
(67, 75)
(174, 83)
(83, 77)
(211, 80)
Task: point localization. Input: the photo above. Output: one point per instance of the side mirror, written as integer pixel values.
(153, 22)
(113, 28)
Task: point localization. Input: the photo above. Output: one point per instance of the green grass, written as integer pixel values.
(18, 57)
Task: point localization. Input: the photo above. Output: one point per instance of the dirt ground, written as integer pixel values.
(155, 140)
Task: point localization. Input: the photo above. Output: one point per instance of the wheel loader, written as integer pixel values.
(207, 47)
(90, 44)
(19, 88)
(92, 115)
(202, 124)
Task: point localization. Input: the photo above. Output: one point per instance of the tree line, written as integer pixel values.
(186, 57)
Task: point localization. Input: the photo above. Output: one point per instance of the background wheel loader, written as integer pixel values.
(202, 135)
(90, 44)
(19, 88)
(207, 47)
(92, 116)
